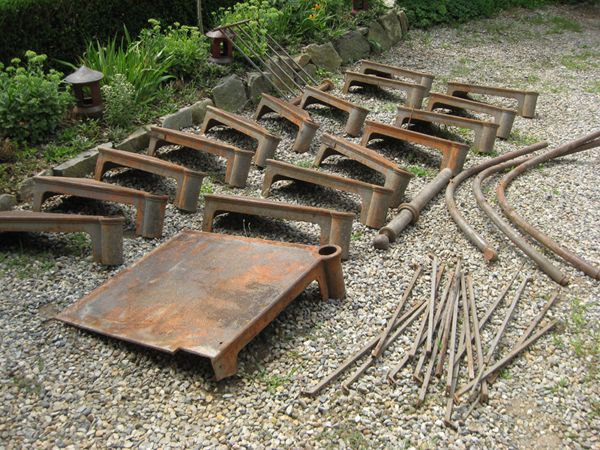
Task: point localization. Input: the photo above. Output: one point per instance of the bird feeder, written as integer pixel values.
(86, 87)
(221, 50)
(359, 5)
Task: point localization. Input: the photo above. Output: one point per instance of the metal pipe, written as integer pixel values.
(489, 253)
(574, 259)
(409, 212)
(543, 262)
(281, 49)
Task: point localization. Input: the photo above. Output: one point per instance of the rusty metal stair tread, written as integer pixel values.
(454, 153)
(150, 208)
(485, 131)
(379, 69)
(267, 142)
(396, 178)
(526, 99)
(238, 160)
(375, 200)
(206, 294)
(336, 226)
(106, 233)
(189, 182)
(414, 92)
(307, 128)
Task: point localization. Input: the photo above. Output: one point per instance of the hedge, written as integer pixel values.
(61, 28)
(425, 13)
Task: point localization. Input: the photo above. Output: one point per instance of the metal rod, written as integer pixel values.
(312, 80)
(572, 258)
(416, 310)
(489, 252)
(428, 372)
(379, 348)
(448, 321)
(409, 213)
(467, 328)
(543, 262)
(451, 367)
(371, 360)
(476, 335)
(419, 368)
(429, 342)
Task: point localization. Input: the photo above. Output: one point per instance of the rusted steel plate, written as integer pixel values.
(206, 294)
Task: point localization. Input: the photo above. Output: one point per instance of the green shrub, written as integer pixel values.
(184, 45)
(120, 108)
(32, 102)
(61, 28)
(144, 68)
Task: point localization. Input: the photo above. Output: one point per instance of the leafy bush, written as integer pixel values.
(32, 102)
(61, 28)
(120, 108)
(186, 47)
(144, 68)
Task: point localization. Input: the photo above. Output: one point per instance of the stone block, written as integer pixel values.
(199, 110)
(324, 56)
(178, 120)
(391, 25)
(7, 202)
(230, 94)
(136, 142)
(352, 46)
(379, 36)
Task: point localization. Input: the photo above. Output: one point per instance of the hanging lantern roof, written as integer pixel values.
(84, 75)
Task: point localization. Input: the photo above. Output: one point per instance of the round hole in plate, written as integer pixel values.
(327, 250)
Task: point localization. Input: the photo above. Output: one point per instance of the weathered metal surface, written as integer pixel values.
(238, 160)
(388, 71)
(409, 212)
(489, 253)
(375, 200)
(414, 92)
(336, 226)
(569, 148)
(453, 153)
(106, 233)
(396, 178)
(502, 116)
(267, 142)
(544, 263)
(150, 213)
(356, 114)
(526, 100)
(206, 294)
(485, 132)
(326, 85)
(189, 181)
(307, 128)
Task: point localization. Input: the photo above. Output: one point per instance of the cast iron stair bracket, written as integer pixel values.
(387, 71)
(189, 182)
(238, 160)
(282, 68)
(414, 92)
(502, 116)
(356, 114)
(214, 293)
(150, 213)
(526, 100)
(453, 153)
(396, 179)
(485, 132)
(375, 200)
(267, 142)
(106, 233)
(336, 226)
(292, 113)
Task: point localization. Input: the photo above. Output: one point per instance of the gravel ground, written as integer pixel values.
(61, 387)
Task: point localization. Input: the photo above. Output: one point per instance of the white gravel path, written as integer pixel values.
(61, 387)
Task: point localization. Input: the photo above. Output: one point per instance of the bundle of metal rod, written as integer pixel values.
(291, 77)
(489, 252)
(585, 143)
(409, 212)
(544, 263)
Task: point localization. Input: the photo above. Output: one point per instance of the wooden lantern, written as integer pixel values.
(221, 50)
(86, 88)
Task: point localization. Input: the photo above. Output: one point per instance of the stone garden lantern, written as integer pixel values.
(221, 50)
(359, 5)
(86, 87)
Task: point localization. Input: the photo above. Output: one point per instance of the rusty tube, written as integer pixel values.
(543, 262)
(572, 258)
(409, 212)
(489, 253)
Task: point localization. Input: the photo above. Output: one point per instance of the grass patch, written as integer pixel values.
(586, 339)
(347, 432)
(421, 172)
(594, 88)
(521, 139)
(356, 236)
(582, 61)
(208, 186)
(274, 381)
(25, 265)
(555, 24)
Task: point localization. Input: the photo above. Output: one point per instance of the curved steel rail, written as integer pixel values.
(543, 262)
(590, 141)
(489, 252)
